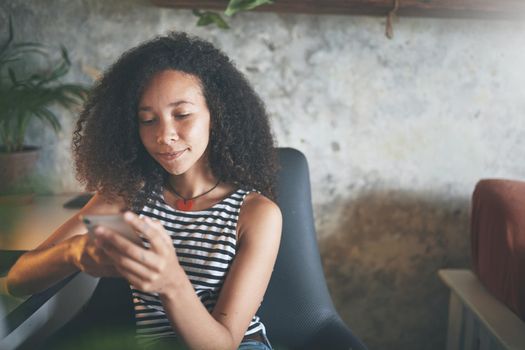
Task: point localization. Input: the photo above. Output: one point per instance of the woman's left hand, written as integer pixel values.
(152, 270)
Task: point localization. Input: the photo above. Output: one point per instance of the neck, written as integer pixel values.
(190, 186)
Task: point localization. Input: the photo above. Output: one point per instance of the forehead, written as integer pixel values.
(172, 84)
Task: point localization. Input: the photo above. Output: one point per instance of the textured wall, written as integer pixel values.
(396, 132)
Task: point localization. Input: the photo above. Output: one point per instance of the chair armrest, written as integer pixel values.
(8, 259)
(476, 317)
(44, 313)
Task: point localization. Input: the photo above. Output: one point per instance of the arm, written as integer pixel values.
(158, 270)
(66, 251)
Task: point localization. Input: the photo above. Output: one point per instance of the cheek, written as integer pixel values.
(204, 131)
(196, 133)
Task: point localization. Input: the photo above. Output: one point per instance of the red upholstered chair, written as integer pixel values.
(498, 240)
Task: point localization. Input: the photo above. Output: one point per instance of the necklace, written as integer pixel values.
(185, 204)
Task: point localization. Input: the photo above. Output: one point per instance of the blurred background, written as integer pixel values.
(397, 133)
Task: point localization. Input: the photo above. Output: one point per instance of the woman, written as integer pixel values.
(174, 135)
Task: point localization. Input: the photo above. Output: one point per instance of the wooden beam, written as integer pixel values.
(493, 9)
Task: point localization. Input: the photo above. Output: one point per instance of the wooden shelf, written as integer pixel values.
(492, 9)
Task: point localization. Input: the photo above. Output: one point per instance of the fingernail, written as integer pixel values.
(128, 215)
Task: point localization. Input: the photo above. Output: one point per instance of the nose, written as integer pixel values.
(167, 133)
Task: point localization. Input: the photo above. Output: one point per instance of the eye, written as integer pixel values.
(146, 121)
(182, 115)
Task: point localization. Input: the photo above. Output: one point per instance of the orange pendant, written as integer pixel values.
(181, 204)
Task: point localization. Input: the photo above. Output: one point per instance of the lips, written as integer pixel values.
(171, 155)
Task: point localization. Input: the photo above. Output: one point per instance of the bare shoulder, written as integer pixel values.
(257, 203)
(259, 214)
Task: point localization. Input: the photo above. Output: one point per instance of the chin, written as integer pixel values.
(172, 169)
(179, 166)
(175, 171)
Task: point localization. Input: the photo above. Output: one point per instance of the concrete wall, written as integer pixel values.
(397, 132)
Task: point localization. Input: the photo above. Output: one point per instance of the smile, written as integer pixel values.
(171, 155)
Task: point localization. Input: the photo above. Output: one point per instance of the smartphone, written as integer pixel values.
(114, 222)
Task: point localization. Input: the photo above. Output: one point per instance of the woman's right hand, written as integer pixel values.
(90, 258)
(66, 251)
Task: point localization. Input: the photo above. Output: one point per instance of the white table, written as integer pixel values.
(29, 225)
(33, 223)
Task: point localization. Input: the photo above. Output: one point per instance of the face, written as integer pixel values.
(174, 122)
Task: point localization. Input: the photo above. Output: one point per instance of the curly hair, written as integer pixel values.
(109, 154)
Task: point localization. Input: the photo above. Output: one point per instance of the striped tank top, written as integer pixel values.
(205, 242)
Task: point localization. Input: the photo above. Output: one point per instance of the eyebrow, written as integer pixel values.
(172, 104)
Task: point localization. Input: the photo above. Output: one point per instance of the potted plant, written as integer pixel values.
(24, 97)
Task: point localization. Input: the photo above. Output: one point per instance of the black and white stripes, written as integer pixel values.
(205, 242)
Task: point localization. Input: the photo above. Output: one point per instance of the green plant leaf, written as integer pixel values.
(23, 98)
(12, 76)
(235, 6)
(10, 36)
(15, 51)
(65, 56)
(46, 115)
(210, 17)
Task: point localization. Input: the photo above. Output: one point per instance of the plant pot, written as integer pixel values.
(15, 171)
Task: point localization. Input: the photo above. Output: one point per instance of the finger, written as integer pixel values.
(102, 258)
(154, 234)
(138, 271)
(160, 228)
(136, 281)
(105, 237)
(96, 252)
(100, 271)
(138, 268)
(163, 244)
(96, 256)
(117, 247)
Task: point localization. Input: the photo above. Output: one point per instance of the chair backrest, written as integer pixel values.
(297, 309)
(498, 240)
